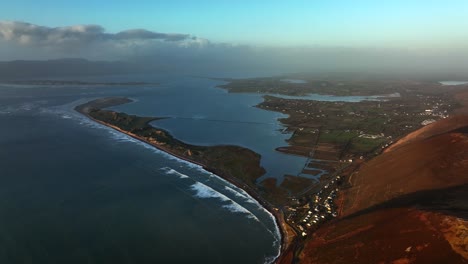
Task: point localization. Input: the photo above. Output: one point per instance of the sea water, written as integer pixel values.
(74, 191)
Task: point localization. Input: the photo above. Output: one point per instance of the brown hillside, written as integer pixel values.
(434, 162)
(437, 128)
(408, 205)
(394, 235)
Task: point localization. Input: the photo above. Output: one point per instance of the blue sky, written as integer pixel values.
(356, 23)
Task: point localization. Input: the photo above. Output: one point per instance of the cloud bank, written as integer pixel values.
(33, 35)
(20, 40)
(181, 51)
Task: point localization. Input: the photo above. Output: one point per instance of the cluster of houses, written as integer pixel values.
(371, 136)
(315, 211)
(433, 112)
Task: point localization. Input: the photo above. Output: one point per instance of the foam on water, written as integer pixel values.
(236, 208)
(237, 194)
(238, 191)
(244, 196)
(67, 112)
(204, 191)
(174, 172)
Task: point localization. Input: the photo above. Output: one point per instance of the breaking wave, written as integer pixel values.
(201, 190)
(204, 191)
(174, 172)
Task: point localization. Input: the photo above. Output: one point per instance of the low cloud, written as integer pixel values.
(74, 36)
(184, 52)
(146, 34)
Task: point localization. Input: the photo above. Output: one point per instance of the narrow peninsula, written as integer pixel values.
(392, 166)
(238, 165)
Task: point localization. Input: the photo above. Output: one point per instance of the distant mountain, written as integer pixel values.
(23, 69)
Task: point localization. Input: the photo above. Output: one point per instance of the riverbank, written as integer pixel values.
(136, 127)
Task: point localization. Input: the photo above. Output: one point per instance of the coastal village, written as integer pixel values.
(335, 137)
(338, 136)
(234, 132)
(307, 213)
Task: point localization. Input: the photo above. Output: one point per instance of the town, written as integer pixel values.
(336, 136)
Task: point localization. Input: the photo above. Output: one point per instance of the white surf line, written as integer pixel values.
(205, 191)
(277, 233)
(174, 172)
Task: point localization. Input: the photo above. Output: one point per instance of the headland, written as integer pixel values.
(342, 141)
(415, 144)
(239, 166)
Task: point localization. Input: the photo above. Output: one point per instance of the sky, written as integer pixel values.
(396, 23)
(299, 34)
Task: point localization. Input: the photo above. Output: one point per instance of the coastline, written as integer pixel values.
(366, 207)
(274, 212)
(291, 244)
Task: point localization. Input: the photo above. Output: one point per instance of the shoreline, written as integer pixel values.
(276, 214)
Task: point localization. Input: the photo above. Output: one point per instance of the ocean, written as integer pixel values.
(74, 191)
